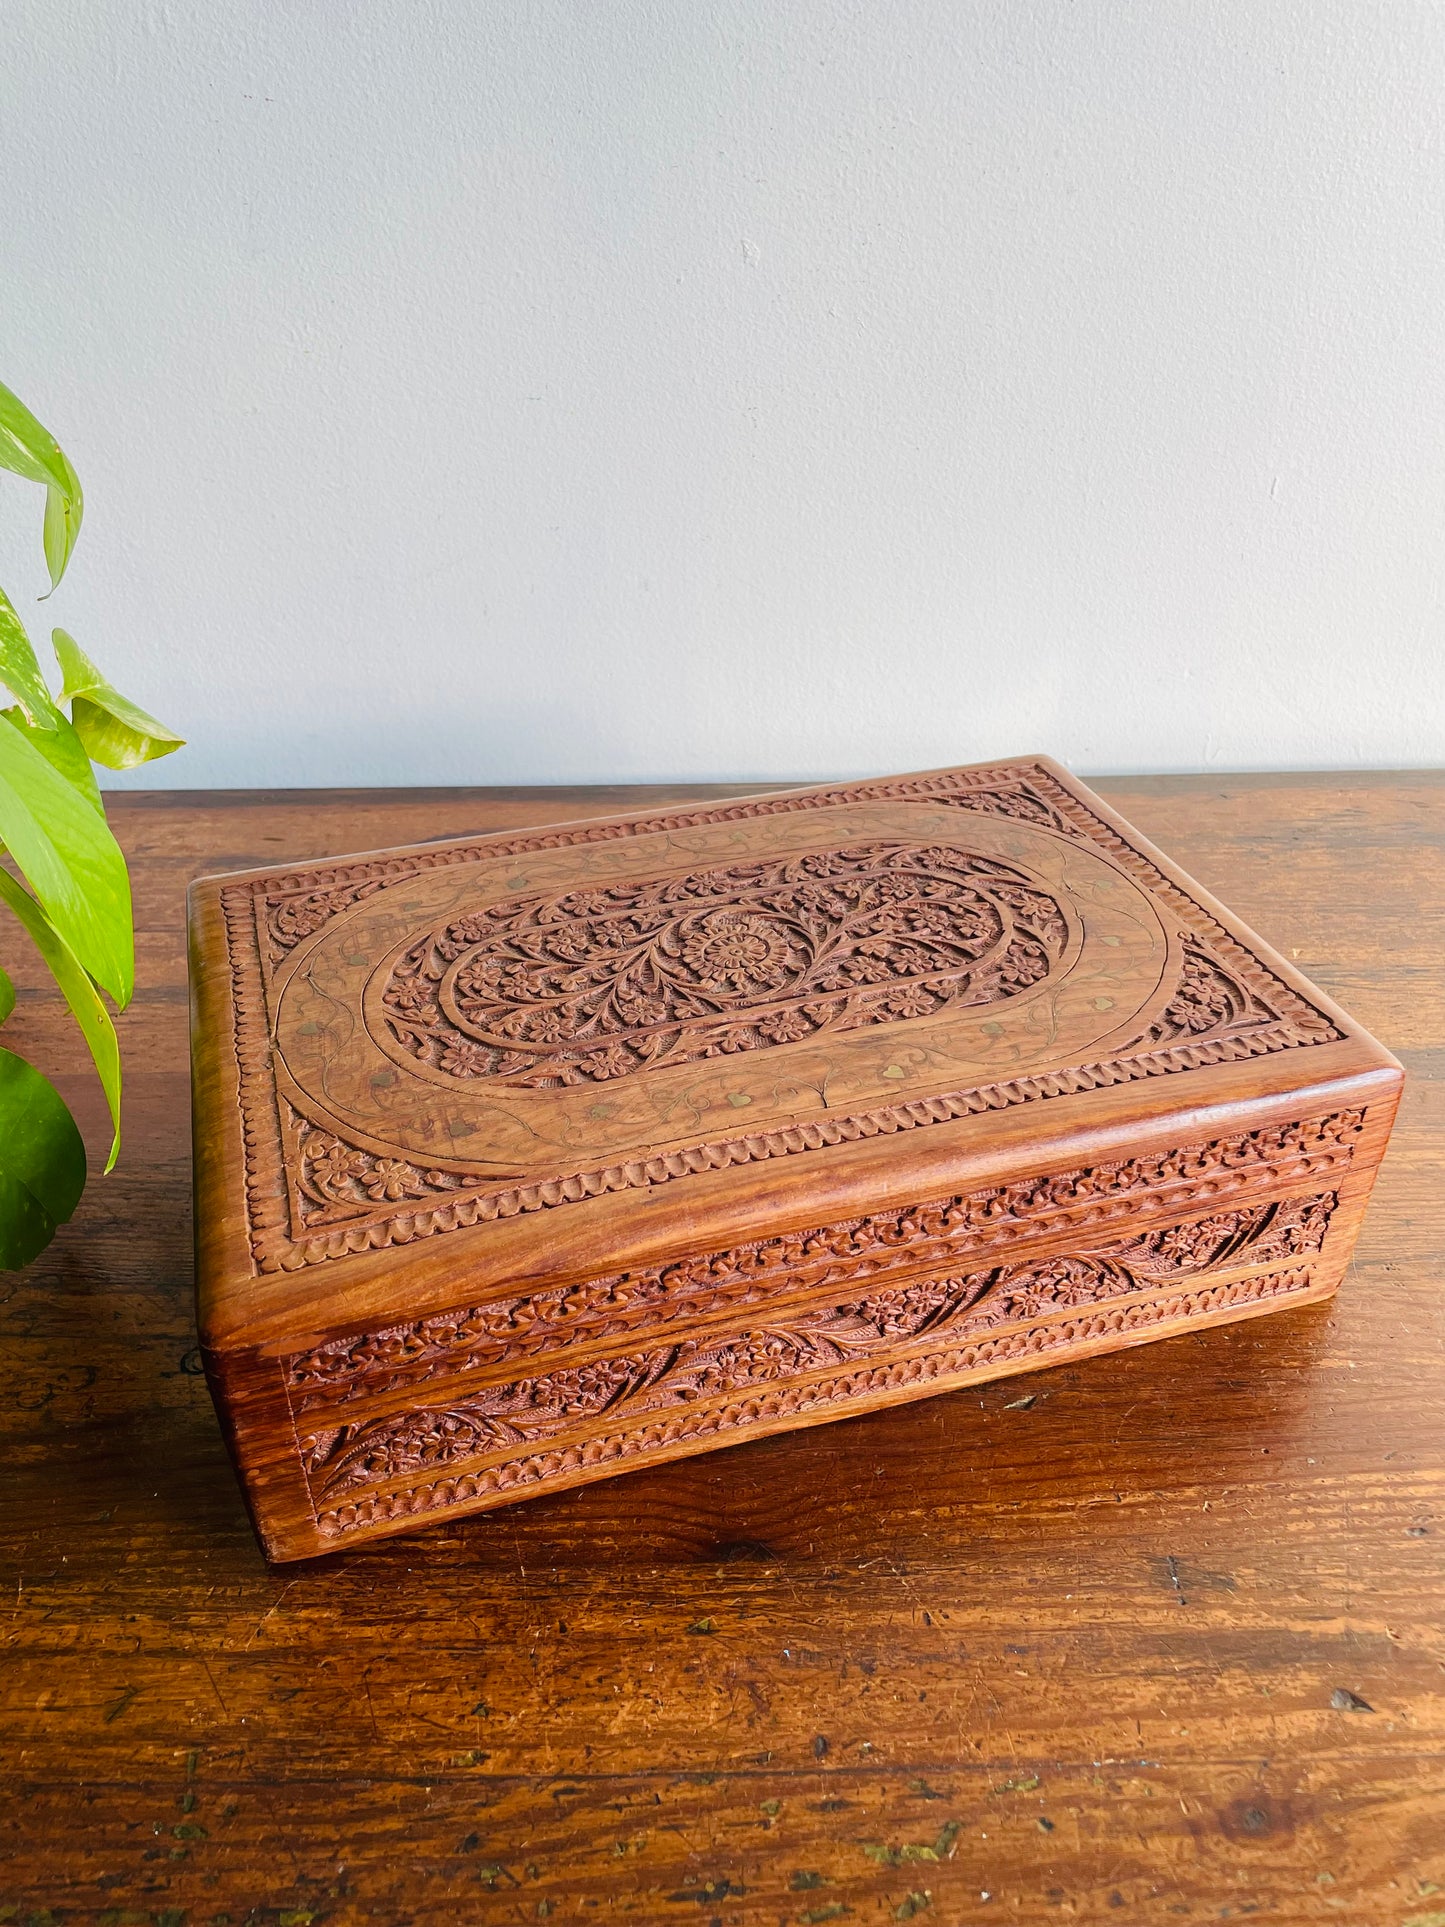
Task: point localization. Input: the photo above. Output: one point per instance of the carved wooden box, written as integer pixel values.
(528, 1159)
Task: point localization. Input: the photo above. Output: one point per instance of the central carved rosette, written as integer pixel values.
(597, 984)
(739, 953)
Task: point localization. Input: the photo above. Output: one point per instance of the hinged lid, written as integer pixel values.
(448, 1068)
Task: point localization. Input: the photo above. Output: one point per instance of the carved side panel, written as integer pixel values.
(937, 1326)
(429, 1445)
(854, 1256)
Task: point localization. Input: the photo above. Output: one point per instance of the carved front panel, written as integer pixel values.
(446, 1410)
(856, 1255)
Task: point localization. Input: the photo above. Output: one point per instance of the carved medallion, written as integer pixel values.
(594, 985)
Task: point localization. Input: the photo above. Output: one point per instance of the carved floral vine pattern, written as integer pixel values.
(1210, 1001)
(802, 1341)
(852, 1255)
(596, 984)
(299, 914)
(1257, 1235)
(332, 1173)
(776, 1403)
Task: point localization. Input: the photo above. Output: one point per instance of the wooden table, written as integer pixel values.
(1157, 1638)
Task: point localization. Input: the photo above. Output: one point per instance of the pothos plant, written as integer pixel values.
(64, 878)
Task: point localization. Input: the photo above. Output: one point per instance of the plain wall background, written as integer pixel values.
(539, 392)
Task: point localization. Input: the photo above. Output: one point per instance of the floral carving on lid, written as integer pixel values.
(598, 984)
(346, 1156)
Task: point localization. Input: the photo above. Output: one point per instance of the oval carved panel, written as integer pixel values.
(595, 984)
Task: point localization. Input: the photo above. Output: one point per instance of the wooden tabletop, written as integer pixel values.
(1152, 1638)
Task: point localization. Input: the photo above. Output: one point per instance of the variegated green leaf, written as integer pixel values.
(79, 992)
(114, 730)
(29, 449)
(64, 506)
(42, 1162)
(20, 671)
(67, 854)
(63, 750)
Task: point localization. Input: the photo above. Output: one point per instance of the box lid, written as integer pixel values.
(446, 1069)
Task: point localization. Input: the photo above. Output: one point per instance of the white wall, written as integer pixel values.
(469, 392)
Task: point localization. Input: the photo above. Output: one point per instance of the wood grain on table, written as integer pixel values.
(1156, 1638)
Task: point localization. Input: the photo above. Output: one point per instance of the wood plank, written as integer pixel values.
(1145, 1589)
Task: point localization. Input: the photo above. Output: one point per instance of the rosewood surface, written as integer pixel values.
(1153, 1636)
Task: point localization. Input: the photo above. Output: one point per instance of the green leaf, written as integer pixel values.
(63, 750)
(64, 507)
(79, 992)
(7, 995)
(70, 860)
(25, 446)
(29, 449)
(20, 668)
(114, 730)
(42, 1162)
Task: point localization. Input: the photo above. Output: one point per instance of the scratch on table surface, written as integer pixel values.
(290, 1584)
(279, 1833)
(371, 1710)
(206, 1669)
(127, 1698)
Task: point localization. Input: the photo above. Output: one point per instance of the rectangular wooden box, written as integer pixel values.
(524, 1160)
